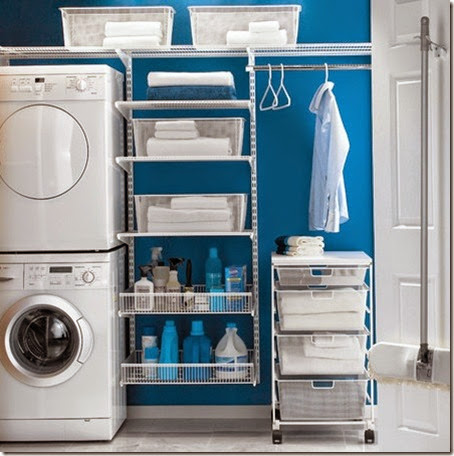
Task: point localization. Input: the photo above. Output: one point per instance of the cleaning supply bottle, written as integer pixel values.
(150, 350)
(169, 352)
(188, 302)
(149, 338)
(161, 275)
(156, 256)
(230, 352)
(197, 349)
(144, 286)
(213, 270)
(173, 286)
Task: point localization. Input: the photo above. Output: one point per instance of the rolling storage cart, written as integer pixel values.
(319, 344)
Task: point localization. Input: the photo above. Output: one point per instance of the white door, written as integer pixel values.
(410, 418)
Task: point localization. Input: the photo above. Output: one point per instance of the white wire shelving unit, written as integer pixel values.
(132, 370)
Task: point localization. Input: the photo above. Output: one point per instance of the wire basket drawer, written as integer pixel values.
(85, 26)
(231, 128)
(322, 354)
(210, 24)
(330, 309)
(167, 213)
(322, 399)
(321, 276)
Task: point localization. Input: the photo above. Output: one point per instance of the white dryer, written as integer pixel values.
(60, 189)
(61, 346)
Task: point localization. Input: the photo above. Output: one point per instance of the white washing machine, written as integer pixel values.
(61, 346)
(60, 189)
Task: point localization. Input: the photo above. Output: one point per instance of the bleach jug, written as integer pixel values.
(169, 352)
(232, 353)
(197, 349)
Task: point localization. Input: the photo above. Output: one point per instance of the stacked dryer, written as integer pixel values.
(61, 264)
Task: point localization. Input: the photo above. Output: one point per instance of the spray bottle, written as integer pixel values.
(142, 287)
(156, 256)
(173, 286)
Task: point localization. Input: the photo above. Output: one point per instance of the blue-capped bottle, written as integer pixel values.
(197, 350)
(169, 352)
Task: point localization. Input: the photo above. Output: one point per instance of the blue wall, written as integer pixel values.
(285, 140)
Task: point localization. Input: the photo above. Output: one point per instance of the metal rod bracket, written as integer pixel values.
(424, 364)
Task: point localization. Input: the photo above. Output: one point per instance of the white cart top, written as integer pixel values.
(328, 259)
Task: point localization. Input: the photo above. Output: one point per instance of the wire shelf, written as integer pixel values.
(134, 372)
(126, 237)
(127, 162)
(315, 49)
(126, 107)
(197, 302)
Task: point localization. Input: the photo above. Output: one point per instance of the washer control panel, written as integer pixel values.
(65, 276)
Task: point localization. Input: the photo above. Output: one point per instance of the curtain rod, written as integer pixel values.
(334, 66)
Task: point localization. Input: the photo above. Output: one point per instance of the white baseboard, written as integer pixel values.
(199, 411)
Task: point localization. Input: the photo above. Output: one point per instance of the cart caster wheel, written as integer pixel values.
(369, 436)
(277, 437)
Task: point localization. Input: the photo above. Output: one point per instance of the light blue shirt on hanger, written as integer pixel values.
(328, 200)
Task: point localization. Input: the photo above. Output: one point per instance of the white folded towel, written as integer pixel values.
(173, 125)
(210, 78)
(299, 241)
(246, 38)
(190, 226)
(305, 251)
(335, 321)
(311, 349)
(196, 147)
(131, 42)
(164, 215)
(199, 202)
(133, 28)
(176, 134)
(264, 26)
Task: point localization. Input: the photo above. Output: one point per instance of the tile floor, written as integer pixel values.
(209, 436)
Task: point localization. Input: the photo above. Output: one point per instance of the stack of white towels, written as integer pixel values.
(132, 34)
(321, 355)
(262, 33)
(181, 138)
(305, 246)
(191, 213)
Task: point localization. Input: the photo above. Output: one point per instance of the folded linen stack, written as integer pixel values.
(263, 33)
(213, 85)
(181, 138)
(192, 213)
(307, 246)
(132, 34)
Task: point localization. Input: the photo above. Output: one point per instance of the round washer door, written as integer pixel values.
(43, 152)
(44, 340)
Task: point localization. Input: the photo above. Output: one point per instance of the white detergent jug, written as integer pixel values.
(232, 352)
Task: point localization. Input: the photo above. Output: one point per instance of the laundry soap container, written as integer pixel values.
(231, 352)
(197, 350)
(169, 352)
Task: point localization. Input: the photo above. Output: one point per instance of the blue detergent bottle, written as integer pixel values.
(197, 349)
(213, 270)
(169, 352)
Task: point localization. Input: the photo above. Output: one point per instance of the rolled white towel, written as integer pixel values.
(264, 26)
(176, 134)
(158, 214)
(246, 38)
(173, 125)
(209, 78)
(133, 28)
(131, 42)
(199, 202)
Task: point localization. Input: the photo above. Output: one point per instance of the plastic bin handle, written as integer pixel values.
(329, 385)
(321, 272)
(321, 294)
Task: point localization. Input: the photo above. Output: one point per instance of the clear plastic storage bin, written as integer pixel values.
(225, 127)
(322, 354)
(85, 26)
(332, 309)
(210, 24)
(322, 399)
(322, 276)
(184, 213)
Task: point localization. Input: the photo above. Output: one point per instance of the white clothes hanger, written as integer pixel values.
(268, 89)
(284, 90)
(326, 73)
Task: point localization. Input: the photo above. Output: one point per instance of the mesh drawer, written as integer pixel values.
(322, 400)
(85, 26)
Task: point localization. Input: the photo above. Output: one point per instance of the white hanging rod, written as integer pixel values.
(322, 67)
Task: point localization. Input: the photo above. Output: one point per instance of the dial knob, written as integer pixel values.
(88, 277)
(81, 85)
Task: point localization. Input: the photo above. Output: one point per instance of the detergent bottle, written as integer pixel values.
(169, 352)
(197, 349)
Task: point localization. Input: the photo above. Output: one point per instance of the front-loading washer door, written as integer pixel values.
(43, 152)
(44, 340)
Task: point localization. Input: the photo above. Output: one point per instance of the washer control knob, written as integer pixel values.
(81, 85)
(88, 277)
